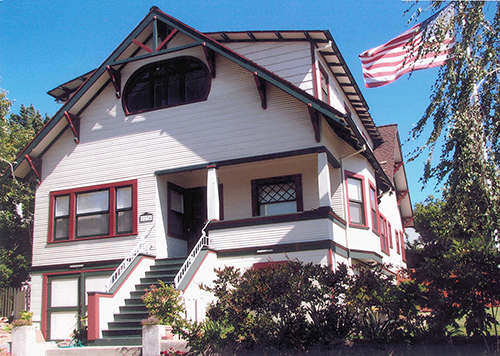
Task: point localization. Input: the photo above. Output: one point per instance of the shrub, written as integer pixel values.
(164, 303)
(24, 319)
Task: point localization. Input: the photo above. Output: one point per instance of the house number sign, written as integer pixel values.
(146, 217)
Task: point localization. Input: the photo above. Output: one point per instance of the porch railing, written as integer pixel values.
(141, 247)
(202, 242)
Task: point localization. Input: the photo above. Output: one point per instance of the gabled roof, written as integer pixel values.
(390, 156)
(129, 50)
(332, 56)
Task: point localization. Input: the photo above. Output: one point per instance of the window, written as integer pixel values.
(397, 242)
(99, 211)
(276, 196)
(356, 197)
(384, 234)
(325, 90)
(176, 81)
(374, 208)
(402, 242)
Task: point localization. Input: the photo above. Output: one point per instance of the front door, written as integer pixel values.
(187, 213)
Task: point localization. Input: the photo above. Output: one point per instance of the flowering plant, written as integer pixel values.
(164, 303)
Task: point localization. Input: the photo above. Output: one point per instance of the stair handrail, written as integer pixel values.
(202, 242)
(141, 247)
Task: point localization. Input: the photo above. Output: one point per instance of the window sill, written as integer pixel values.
(91, 238)
(361, 227)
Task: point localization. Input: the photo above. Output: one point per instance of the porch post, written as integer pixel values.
(324, 186)
(213, 204)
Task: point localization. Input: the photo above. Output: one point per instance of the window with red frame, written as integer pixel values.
(384, 231)
(397, 242)
(90, 212)
(374, 208)
(356, 198)
(389, 234)
(403, 250)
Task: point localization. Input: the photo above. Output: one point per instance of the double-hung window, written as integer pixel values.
(98, 211)
(356, 197)
(374, 208)
(276, 196)
(384, 234)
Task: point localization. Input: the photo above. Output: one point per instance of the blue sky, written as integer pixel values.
(46, 43)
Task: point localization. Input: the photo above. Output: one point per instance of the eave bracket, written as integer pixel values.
(262, 88)
(401, 194)
(33, 164)
(116, 79)
(74, 125)
(315, 120)
(210, 56)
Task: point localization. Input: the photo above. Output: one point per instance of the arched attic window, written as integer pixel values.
(172, 82)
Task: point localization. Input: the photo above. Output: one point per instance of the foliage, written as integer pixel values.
(80, 333)
(459, 278)
(25, 318)
(299, 306)
(150, 321)
(16, 198)
(164, 303)
(172, 352)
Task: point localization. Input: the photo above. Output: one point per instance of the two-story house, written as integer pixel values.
(187, 151)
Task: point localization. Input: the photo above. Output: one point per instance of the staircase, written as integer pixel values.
(126, 328)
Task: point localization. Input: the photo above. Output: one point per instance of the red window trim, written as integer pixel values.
(389, 234)
(363, 195)
(397, 242)
(384, 241)
(372, 187)
(402, 243)
(72, 213)
(324, 74)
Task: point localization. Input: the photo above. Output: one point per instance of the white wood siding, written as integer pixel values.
(114, 147)
(273, 234)
(290, 60)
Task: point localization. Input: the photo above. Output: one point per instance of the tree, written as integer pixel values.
(16, 197)
(460, 258)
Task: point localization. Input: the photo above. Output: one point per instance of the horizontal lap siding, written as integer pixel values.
(114, 147)
(290, 60)
(273, 234)
(237, 182)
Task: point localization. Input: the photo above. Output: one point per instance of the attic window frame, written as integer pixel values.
(175, 63)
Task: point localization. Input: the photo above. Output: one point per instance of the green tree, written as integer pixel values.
(16, 197)
(459, 258)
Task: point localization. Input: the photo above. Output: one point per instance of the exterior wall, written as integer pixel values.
(114, 147)
(273, 234)
(389, 208)
(36, 299)
(290, 60)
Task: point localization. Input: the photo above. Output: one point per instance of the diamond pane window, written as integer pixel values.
(276, 196)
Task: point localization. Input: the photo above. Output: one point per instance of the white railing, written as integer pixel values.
(141, 247)
(202, 242)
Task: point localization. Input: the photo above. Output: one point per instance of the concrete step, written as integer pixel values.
(96, 351)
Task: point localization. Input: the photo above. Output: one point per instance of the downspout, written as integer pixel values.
(344, 191)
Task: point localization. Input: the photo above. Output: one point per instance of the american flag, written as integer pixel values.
(386, 63)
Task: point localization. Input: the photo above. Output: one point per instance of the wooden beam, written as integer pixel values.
(262, 88)
(31, 162)
(142, 45)
(407, 222)
(210, 56)
(116, 79)
(397, 166)
(315, 120)
(401, 194)
(167, 39)
(74, 125)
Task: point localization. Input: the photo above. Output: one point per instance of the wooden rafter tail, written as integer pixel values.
(315, 120)
(210, 56)
(33, 168)
(74, 125)
(262, 89)
(116, 79)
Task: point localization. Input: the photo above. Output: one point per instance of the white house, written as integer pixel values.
(262, 139)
